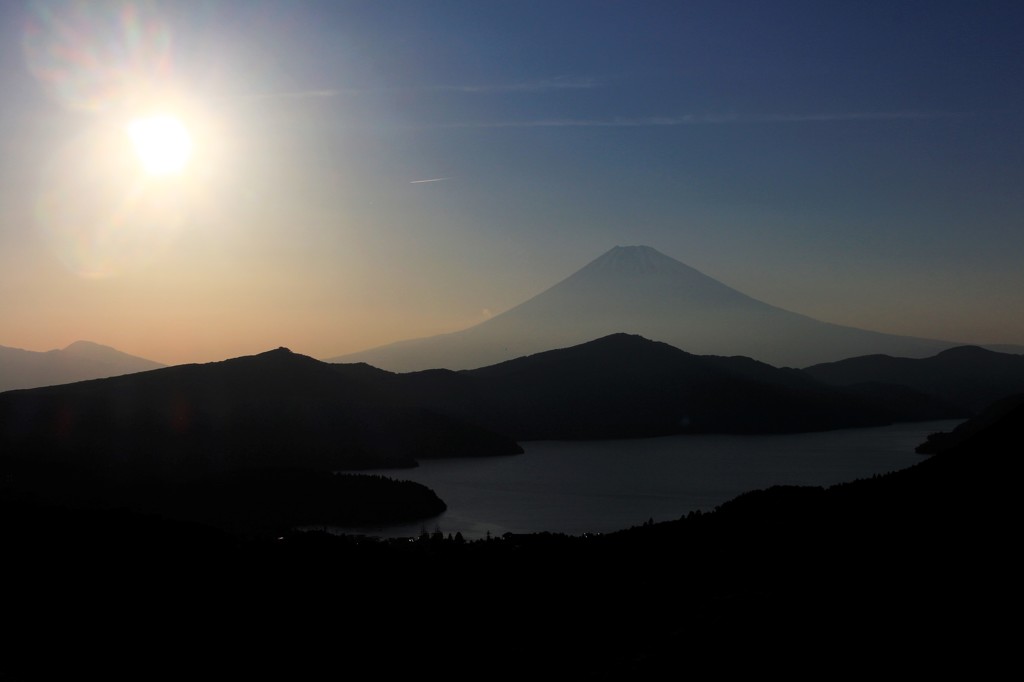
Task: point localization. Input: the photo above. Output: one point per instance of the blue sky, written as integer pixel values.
(860, 162)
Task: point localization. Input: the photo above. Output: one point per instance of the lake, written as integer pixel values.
(581, 487)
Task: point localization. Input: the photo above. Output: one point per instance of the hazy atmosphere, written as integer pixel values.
(349, 174)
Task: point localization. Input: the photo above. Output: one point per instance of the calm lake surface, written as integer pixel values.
(580, 487)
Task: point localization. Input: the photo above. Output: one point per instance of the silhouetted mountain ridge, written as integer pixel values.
(963, 435)
(623, 386)
(282, 409)
(967, 376)
(273, 409)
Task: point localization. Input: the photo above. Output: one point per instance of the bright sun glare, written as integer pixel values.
(162, 144)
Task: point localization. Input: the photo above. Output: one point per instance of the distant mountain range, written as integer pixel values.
(629, 289)
(80, 361)
(638, 290)
(968, 376)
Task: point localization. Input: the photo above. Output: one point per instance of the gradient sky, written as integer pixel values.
(859, 162)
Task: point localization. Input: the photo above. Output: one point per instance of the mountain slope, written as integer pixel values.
(968, 376)
(624, 386)
(638, 290)
(276, 409)
(80, 361)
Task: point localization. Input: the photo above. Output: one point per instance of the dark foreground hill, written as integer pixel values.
(624, 386)
(214, 507)
(966, 431)
(245, 445)
(284, 410)
(276, 409)
(913, 571)
(967, 376)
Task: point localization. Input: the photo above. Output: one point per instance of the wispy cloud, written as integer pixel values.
(420, 182)
(706, 119)
(543, 85)
(580, 123)
(297, 94)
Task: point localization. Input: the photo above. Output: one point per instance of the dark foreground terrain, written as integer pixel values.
(913, 572)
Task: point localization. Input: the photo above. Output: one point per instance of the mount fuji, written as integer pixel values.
(639, 290)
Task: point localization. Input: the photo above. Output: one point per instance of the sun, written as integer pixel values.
(162, 144)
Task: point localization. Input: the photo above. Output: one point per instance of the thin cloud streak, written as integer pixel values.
(299, 94)
(420, 182)
(690, 120)
(527, 86)
(545, 85)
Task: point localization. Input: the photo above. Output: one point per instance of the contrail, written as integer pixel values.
(417, 182)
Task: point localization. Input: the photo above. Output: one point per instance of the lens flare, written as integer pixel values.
(98, 56)
(99, 215)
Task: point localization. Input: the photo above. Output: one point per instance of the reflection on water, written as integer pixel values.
(601, 486)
